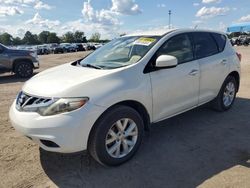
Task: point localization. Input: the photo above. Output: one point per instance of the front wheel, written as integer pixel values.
(226, 96)
(24, 69)
(116, 136)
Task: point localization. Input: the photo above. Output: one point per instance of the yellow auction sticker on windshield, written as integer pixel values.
(144, 41)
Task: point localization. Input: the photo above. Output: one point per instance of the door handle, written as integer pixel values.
(224, 62)
(193, 72)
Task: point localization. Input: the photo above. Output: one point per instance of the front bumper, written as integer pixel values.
(36, 64)
(70, 131)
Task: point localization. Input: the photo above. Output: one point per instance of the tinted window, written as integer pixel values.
(221, 40)
(205, 45)
(179, 46)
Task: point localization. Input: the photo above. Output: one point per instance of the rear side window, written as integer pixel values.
(205, 45)
(179, 46)
(221, 40)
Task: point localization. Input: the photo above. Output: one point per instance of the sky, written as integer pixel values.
(114, 17)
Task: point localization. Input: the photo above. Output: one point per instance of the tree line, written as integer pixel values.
(46, 37)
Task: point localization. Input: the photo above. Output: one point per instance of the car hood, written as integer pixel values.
(61, 81)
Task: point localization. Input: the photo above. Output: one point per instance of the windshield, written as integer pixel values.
(120, 52)
(3, 46)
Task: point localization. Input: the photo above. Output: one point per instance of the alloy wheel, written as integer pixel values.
(121, 138)
(229, 94)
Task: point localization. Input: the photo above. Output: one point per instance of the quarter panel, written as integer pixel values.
(213, 74)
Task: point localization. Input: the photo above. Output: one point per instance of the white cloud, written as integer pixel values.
(17, 2)
(9, 11)
(105, 17)
(245, 18)
(196, 4)
(20, 32)
(222, 26)
(161, 5)
(210, 1)
(2, 30)
(127, 7)
(37, 4)
(105, 21)
(38, 21)
(40, 5)
(205, 12)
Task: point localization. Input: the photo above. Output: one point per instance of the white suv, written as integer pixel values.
(105, 101)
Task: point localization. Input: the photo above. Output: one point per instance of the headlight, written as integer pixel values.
(62, 105)
(58, 106)
(33, 54)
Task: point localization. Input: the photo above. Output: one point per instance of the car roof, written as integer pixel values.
(166, 31)
(151, 32)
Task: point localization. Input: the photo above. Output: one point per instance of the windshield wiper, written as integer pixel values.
(91, 66)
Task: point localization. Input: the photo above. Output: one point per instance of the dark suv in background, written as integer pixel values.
(21, 62)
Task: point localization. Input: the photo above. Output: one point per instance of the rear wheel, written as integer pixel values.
(116, 136)
(226, 97)
(24, 69)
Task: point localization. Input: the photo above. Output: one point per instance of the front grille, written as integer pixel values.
(25, 101)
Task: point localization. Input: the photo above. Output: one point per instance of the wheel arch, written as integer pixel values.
(236, 75)
(140, 108)
(16, 61)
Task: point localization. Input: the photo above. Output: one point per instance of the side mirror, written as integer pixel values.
(166, 61)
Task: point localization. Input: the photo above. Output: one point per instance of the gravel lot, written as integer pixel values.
(200, 148)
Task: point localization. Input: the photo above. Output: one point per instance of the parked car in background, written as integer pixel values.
(79, 47)
(91, 46)
(56, 48)
(104, 102)
(21, 62)
(43, 50)
(67, 47)
(85, 46)
(241, 40)
(98, 45)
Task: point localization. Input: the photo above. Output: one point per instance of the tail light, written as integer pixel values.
(239, 55)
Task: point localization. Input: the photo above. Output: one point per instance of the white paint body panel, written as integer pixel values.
(174, 90)
(163, 93)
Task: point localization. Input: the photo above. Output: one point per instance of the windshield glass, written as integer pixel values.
(3, 46)
(120, 52)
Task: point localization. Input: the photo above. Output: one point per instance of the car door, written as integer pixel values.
(175, 90)
(4, 59)
(213, 63)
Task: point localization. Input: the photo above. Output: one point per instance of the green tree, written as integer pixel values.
(43, 37)
(30, 38)
(69, 37)
(6, 39)
(79, 37)
(17, 41)
(95, 37)
(53, 38)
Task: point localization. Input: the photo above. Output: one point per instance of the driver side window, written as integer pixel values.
(179, 46)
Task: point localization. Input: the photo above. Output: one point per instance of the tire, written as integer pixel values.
(24, 69)
(102, 140)
(226, 97)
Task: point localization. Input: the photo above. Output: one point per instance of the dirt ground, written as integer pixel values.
(200, 148)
